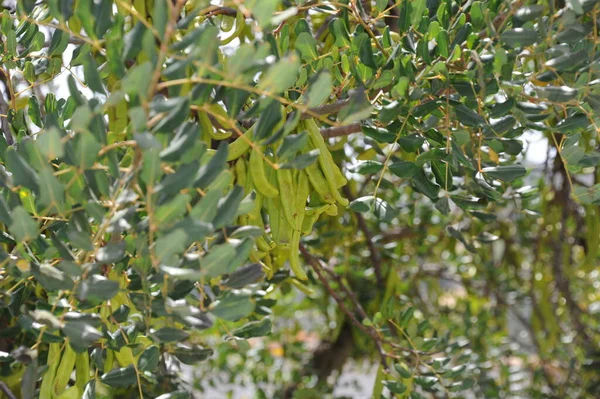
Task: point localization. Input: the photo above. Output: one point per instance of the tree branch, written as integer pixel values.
(369, 331)
(373, 251)
(339, 131)
(218, 10)
(4, 388)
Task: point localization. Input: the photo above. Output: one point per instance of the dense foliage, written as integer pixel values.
(269, 189)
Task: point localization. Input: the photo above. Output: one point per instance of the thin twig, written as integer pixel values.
(4, 388)
(373, 251)
(370, 331)
(218, 10)
(339, 131)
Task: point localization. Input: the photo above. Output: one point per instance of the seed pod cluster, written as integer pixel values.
(288, 201)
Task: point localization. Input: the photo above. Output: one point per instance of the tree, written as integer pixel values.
(268, 189)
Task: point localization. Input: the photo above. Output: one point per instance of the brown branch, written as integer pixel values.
(373, 251)
(339, 131)
(218, 10)
(369, 331)
(562, 283)
(4, 388)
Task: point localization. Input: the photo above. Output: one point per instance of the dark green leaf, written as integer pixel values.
(245, 275)
(301, 161)
(209, 172)
(23, 227)
(403, 169)
(192, 355)
(169, 334)
(519, 37)
(505, 173)
(22, 173)
(218, 259)
(120, 377)
(233, 307)
(254, 329)
(228, 207)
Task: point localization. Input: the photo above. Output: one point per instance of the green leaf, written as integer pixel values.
(281, 76)
(233, 306)
(49, 143)
(468, 117)
(378, 134)
(175, 395)
(120, 377)
(97, 288)
(192, 355)
(209, 172)
(4, 212)
(171, 244)
(182, 178)
(217, 260)
(120, 315)
(52, 192)
(270, 117)
(86, 150)
(151, 168)
(206, 209)
(51, 278)
(169, 334)
(111, 252)
(559, 94)
(91, 75)
(254, 329)
(136, 77)
(301, 161)
(22, 173)
(411, 143)
(179, 109)
(381, 209)
(11, 43)
(505, 173)
(362, 42)
(519, 37)
(292, 144)
(23, 227)
(228, 207)
(319, 88)
(573, 123)
(89, 391)
(307, 46)
(59, 42)
(588, 195)
(362, 204)
(181, 273)
(529, 13)
(185, 137)
(81, 334)
(160, 17)
(403, 169)
(34, 111)
(572, 155)
(167, 213)
(366, 167)
(245, 275)
(423, 185)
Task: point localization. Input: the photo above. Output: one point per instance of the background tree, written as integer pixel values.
(266, 189)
